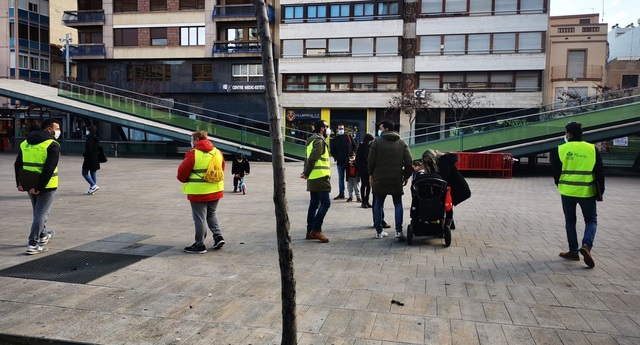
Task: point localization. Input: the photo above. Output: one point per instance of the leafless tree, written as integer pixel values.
(411, 104)
(462, 102)
(285, 251)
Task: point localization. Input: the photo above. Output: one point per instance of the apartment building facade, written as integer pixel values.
(343, 61)
(623, 66)
(576, 64)
(202, 53)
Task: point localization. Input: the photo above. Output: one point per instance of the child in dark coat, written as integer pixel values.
(239, 169)
(352, 177)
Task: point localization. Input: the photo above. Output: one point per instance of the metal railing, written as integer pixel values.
(247, 132)
(236, 47)
(83, 17)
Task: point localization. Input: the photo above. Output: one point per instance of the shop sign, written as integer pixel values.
(243, 87)
(303, 114)
(624, 141)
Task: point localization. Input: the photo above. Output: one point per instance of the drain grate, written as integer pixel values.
(71, 266)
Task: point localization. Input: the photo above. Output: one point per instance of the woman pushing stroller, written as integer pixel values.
(444, 164)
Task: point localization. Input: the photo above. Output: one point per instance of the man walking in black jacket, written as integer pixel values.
(341, 147)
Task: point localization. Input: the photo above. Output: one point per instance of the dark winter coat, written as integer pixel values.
(389, 164)
(91, 147)
(240, 168)
(460, 190)
(341, 148)
(362, 160)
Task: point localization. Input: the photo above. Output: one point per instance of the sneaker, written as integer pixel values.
(37, 249)
(235, 190)
(93, 189)
(364, 205)
(44, 239)
(586, 254)
(570, 256)
(89, 192)
(400, 236)
(350, 199)
(382, 234)
(340, 196)
(318, 235)
(194, 249)
(218, 242)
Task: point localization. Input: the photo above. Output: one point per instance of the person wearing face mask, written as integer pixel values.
(317, 172)
(579, 174)
(341, 146)
(40, 153)
(91, 162)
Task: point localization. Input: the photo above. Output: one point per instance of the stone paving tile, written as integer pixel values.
(491, 334)
(464, 333)
(517, 335)
(600, 339)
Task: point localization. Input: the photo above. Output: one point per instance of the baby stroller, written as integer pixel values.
(428, 194)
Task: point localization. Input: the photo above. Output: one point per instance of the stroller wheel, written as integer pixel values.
(447, 236)
(409, 234)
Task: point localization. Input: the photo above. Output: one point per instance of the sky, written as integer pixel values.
(622, 12)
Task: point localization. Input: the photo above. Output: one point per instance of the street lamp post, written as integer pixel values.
(66, 42)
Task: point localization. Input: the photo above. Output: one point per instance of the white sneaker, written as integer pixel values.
(37, 249)
(400, 236)
(382, 234)
(93, 189)
(46, 237)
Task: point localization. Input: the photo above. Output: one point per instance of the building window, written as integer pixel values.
(23, 62)
(432, 7)
(192, 4)
(480, 7)
(532, 6)
(192, 36)
(247, 72)
(386, 82)
(576, 64)
(429, 81)
(33, 7)
(158, 36)
(125, 6)
(629, 81)
(34, 62)
(504, 43)
(292, 48)
(149, 73)
(125, 37)
(529, 42)
(44, 65)
(158, 5)
(340, 82)
(339, 46)
(362, 46)
(506, 6)
(454, 44)
(387, 46)
(317, 82)
(527, 81)
(363, 11)
(202, 72)
(455, 7)
(316, 13)
(430, 45)
(339, 12)
(293, 14)
(388, 9)
(479, 44)
(97, 74)
(363, 82)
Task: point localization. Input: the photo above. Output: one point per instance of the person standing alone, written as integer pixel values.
(579, 174)
(341, 147)
(317, 172)
(91, 163)
(203, 196)
(40, 153)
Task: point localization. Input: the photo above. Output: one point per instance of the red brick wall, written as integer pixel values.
(143, 6)
(173, 36)
(144, 37)
(173, 5)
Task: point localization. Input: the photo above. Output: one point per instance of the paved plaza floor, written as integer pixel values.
(500, 282)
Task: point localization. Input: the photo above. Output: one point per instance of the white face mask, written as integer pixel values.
(327, 132)
(379, 132)
(566, 140)
(340, 131)
(87, 132)
(56, 134)
(192, 144)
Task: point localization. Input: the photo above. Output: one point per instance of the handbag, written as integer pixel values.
(102, 158)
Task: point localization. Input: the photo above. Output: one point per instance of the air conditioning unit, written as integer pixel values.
(316, 52)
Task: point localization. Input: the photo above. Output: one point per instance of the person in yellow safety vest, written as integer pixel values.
(579, 174)
(40, 153)
(202, 195)
(317, 172)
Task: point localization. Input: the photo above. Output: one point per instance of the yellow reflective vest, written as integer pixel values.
(322, 167)
(196, 183)
(34, 157)
(576, 179)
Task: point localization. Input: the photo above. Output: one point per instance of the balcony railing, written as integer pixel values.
(76, 18)
(580, 72)
(223, 11)
(236, 47)
(87, 50)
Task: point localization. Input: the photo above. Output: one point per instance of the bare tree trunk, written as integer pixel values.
(285, 252)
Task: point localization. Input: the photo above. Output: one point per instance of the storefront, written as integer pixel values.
(299, 123)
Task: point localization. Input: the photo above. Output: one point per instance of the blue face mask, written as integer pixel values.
(379, 132)
(87, 132)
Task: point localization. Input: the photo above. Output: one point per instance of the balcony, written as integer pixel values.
(590, 72)
(83, 18)
(232, 12)
(237, 47)
(87, 51)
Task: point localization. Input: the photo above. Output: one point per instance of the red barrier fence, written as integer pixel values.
(497, 164)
